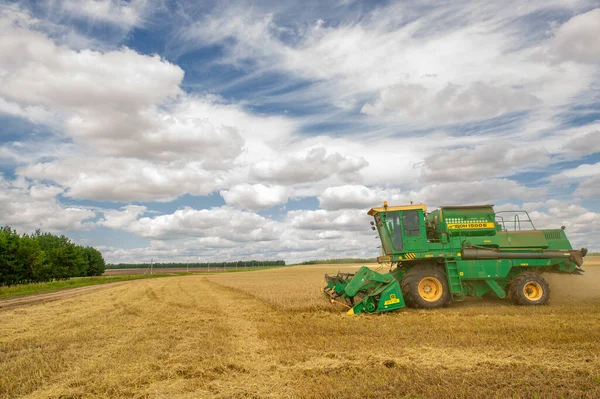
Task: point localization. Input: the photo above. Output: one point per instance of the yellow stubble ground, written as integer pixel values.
(272, 333)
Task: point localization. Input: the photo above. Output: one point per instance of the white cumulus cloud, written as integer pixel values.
(311, 166)
(453, 103)
(322, 219)
(224, 222)
(483, 191)
(358, 197)
(126, 179)
(28, 207)
(589, 188)
(494, 159)
(255, 196)
(577, 39)
(118, 219)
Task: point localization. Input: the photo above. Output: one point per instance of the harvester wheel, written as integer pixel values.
(425, 287)
(529, 289)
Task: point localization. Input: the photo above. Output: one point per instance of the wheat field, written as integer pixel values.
(272, 334)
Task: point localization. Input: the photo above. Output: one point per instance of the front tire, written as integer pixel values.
(529, 289)
(425, 287)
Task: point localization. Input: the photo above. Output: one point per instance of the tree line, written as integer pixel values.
(227, 265)
(42, 257)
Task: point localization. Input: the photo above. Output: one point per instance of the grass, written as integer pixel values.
(272, 334)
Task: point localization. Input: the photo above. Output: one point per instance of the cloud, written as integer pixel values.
(321, 219)
(452, 62)
(224, 222)
(358, 197)
(125, 179)
(28, 207)
(584, 144)
(589, 188)
(484, 191)
(131, 131)
(118, 219)
(44, 192)
(125, 14)
(577, 39)
(585, 176)
(433, 195)
(455, 193)
(152, 134)
(216, 242)
(36, 71)
(216, 250)
(118, 103)
(453, 103)
(583, 170)
(311, 166)
(485, 161)
(35, 114)
(115, 103)
(255, 196)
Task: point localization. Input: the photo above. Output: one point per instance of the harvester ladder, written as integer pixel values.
(456, 288)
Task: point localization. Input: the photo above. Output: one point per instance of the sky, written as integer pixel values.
(193, 131)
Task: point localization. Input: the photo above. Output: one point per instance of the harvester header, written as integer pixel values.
(454, 252)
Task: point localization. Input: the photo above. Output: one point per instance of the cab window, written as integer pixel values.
(410, 220)
(395, 230)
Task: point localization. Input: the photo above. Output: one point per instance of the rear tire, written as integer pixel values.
(529, 289)
(425, 287)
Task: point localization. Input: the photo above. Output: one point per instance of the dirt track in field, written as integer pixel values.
(70, 292)
(53, 296)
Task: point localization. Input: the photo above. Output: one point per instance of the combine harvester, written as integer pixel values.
(455, 252)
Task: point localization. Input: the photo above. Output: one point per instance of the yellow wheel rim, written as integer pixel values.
(430, 289)
(533, 291)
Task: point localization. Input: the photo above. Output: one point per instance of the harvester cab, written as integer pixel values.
(451, 253)
(401, 228)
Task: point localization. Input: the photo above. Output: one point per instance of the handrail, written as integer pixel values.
(516, 219)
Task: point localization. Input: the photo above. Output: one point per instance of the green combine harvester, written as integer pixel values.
(455, 252)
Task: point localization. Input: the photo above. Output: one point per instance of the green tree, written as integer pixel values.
(11, 269)
(95, 261)
(44, 257)
(64, 258)
(33, 260)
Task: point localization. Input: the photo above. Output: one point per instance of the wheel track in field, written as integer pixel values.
(53, 296)
(260, 376)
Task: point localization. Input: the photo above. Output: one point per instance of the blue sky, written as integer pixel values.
(195, 131)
